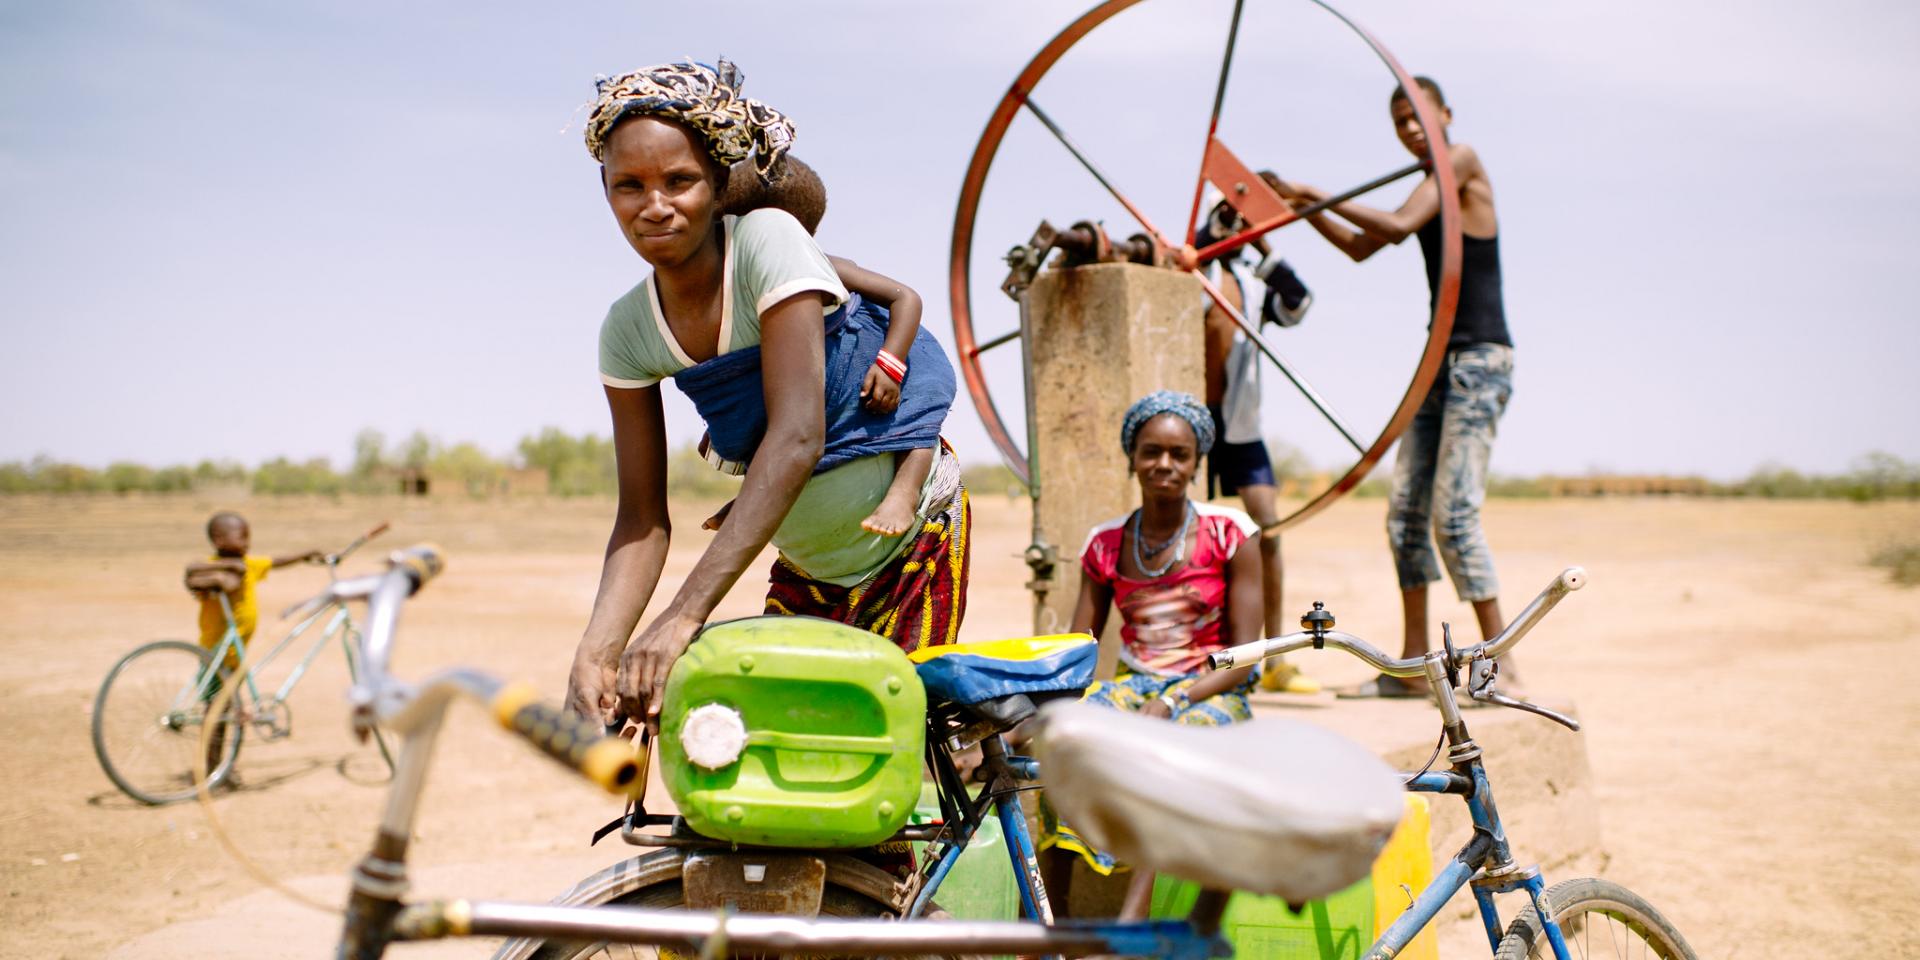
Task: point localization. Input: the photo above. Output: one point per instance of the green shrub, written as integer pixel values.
(575, 467)
(984, 479)
(690, 475)
(1529, 488)
(283, 476)
(1902, 560)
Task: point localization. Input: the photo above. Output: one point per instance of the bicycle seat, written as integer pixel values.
(1270, 806)
(1002, 681)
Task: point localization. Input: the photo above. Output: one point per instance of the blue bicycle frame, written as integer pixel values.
(1487, 850)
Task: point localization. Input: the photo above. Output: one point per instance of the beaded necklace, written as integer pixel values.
(1140, 553)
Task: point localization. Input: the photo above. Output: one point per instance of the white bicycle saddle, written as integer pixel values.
(1270, 806)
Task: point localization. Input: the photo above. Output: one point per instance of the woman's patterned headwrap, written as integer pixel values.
(706, 99)
(1183, 405)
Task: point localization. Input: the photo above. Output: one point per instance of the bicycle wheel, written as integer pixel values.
(1597, 918)
(148, 718)
(854, 890)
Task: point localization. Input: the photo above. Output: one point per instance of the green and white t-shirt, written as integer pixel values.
(768, 258)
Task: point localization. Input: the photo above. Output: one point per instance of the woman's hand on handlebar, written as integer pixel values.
(644, 667)
(591, 686)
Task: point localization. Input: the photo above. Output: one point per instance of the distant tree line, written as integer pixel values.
(583, 465)
(1876, 476)
(574, 466)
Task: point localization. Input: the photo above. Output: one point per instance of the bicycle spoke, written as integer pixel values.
(1261, 229)
(1213, 122)
(1253, 336)
(1066, 141)
(1002, 339)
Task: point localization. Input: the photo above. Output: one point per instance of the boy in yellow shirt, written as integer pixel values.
(232, 572)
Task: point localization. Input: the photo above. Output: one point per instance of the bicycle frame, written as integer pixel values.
(962, 814)
(1487, 850)
(1486, 862)
(339, 623)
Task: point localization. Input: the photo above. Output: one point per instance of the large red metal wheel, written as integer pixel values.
(1258, 207)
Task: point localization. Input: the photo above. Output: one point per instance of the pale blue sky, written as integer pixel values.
(245, 230)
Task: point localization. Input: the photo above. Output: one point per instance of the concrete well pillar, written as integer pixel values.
(1102, 336)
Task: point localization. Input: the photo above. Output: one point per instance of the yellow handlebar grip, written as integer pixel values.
(568, 738)
(609, 763)
(423, 560)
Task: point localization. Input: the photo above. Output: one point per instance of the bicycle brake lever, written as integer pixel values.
(1480, 686)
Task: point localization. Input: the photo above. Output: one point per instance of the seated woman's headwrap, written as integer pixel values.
(706, 99)
(1183, 405)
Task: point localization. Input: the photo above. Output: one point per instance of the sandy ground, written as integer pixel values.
(1745, 678)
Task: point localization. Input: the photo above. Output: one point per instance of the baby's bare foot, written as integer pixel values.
(889, 519)
(719, 516)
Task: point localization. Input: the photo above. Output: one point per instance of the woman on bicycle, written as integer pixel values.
(1185, 588)
(750, 319)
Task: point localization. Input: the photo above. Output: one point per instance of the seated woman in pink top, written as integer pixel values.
(1183, 585)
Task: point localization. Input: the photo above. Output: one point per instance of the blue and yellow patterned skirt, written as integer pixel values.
(1132, 692)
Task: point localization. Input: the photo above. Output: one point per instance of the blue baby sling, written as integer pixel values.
(726, 391)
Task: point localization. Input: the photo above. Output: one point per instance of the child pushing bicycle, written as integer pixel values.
(232, 572)
(155, 712)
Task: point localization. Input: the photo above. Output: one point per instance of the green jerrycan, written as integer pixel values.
(793, 732)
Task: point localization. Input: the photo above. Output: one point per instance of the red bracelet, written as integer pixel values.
(892, 366)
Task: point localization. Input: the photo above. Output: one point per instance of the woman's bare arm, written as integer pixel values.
(793, 371)
(1090, 617)
(1378, 228)
(636, 550)
(1245, 619)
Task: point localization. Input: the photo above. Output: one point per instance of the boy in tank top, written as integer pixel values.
(1440, 474)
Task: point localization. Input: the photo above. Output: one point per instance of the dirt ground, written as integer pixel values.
(1746, 679)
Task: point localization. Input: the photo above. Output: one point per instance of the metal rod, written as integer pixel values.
(1004, 338)
(1446, 882)
(1213, 122)
(410, 775)
(1248, 653)
(782, 934)
(1265, 227)
(1253, 335)
(1226, 65)
(1033, 417)
(1039, 554)
(1074, 149)
(300, 669)
(1569, 580)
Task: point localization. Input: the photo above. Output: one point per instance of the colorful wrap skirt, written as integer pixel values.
(918, 598)
(1133, 692)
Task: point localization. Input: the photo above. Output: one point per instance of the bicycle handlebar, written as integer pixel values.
(1569, 580)
(1250, 653)
(333, 559)
(570, 739)
(421, 563)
